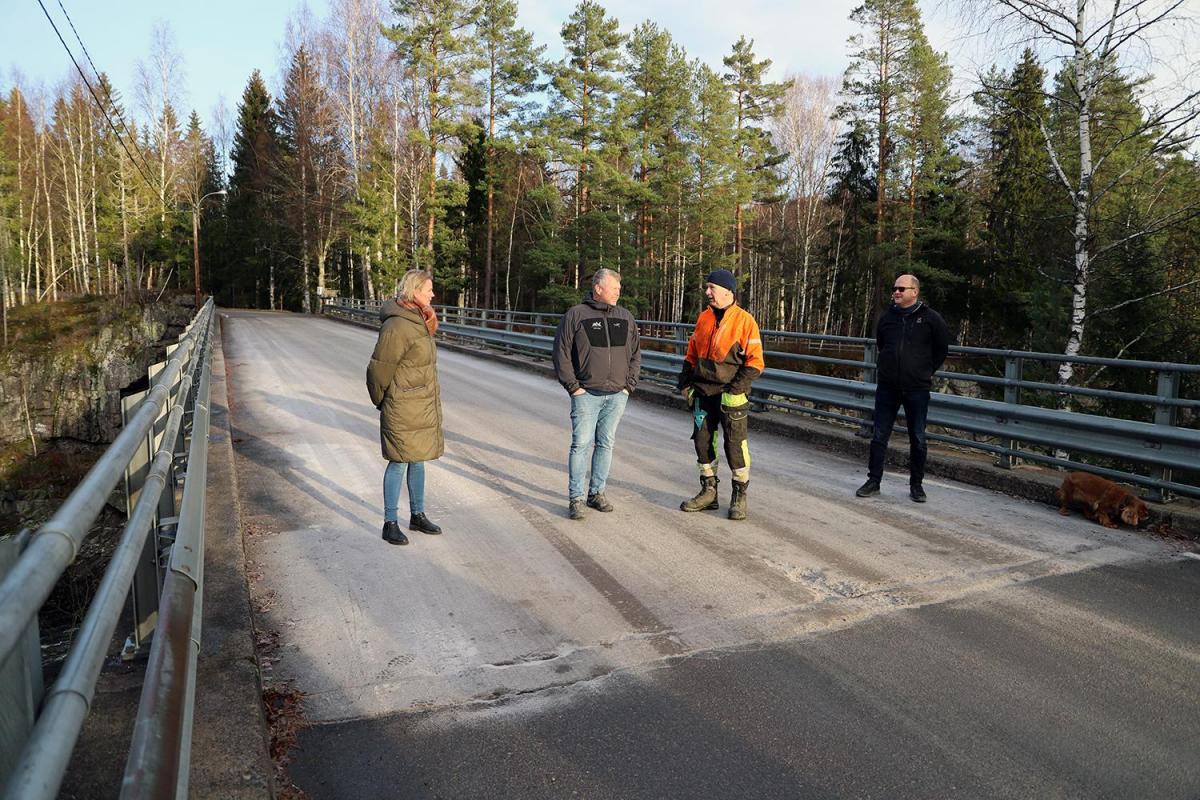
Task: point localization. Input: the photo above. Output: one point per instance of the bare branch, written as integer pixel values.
(1124, 303)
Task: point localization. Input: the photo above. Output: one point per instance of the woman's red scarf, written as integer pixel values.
(427, 313)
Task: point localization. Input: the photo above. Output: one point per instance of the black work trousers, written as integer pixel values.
(730, 421)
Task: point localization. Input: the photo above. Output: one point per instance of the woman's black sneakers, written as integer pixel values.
(392, 533)
(420, 522)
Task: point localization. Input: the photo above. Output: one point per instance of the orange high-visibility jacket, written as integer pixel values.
(723, 358)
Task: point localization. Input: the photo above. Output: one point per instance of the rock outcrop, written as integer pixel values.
(74, 391)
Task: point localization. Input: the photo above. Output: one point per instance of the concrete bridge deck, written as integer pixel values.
(976, 646)
(970, 646)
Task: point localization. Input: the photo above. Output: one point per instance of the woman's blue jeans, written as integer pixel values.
(393, 476)
(594, 420)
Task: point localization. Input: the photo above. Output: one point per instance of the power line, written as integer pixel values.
(99, 104)
(107, 93)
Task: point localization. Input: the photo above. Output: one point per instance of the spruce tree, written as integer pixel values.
(251, 252)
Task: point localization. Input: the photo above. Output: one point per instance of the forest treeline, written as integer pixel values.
(1053, 209)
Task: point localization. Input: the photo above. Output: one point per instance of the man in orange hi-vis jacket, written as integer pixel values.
(724, 356)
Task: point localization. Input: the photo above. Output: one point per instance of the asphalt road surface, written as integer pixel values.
(976, 646)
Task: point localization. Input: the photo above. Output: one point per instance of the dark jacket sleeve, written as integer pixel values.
(685, 376)
(564, 364)
(635, 355)
(940, 345)
(742, 380)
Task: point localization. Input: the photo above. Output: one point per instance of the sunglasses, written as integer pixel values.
(901, 289)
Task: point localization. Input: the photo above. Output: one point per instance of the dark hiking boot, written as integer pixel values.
(420, 522)
(737, 501)
(706, 500)
(917, 493)
(392, 533)
(867, 489)
(575, 509)
(599, 502)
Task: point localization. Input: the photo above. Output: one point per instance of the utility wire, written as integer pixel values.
(99, 104)
(107, 93)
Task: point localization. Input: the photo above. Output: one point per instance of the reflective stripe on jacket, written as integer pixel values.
(725, 357)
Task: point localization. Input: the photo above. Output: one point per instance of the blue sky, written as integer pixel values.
(222, 41)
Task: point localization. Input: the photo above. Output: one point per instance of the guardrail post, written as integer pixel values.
(1014, 369)
(870, 375)
(143, 591)
(1168, 389)
(682, 334)
(20, 675)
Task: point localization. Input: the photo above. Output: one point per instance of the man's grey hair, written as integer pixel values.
(915, 281)
(602, 273)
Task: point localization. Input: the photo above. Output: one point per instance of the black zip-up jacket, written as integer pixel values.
(598, 347)
(913, 343)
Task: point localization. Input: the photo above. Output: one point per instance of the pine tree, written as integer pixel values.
(583, 88)
(874, 82)
(510, 73)
(716, 167)
(431, 38)
(755, 102)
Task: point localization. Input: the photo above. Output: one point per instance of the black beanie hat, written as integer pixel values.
(722, 277)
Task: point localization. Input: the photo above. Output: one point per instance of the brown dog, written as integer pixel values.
(1101, 500)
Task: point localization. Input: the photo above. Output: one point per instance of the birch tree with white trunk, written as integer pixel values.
(1097, 43)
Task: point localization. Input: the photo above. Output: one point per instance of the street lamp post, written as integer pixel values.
(196, 242)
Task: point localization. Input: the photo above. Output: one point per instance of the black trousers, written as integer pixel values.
(888, 401)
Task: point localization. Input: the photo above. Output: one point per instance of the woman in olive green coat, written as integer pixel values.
(403, 383)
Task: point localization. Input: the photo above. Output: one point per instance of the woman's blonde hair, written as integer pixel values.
(410, 282)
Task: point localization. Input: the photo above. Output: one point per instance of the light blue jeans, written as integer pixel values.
(594, 420)
(393, 476)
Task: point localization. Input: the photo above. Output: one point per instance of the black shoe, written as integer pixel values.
(392, 533)
(420, 522)
(599, 502)
(867, 489)
(575, 508)
(917, 494)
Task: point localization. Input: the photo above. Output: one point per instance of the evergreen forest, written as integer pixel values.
(1052, 207)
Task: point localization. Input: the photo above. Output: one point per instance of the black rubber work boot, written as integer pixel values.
(737, 501)
(599, 502)
(867, 489)
(420, 522)
(917, 493)
(707, 499)
(392, 533)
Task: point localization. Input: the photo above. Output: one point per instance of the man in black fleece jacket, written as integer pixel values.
(913, 340)
(597, 358)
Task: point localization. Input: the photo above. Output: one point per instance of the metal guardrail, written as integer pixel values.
(1011, 428)
(164, 440)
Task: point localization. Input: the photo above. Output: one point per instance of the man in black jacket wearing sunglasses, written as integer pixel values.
(913, 341)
